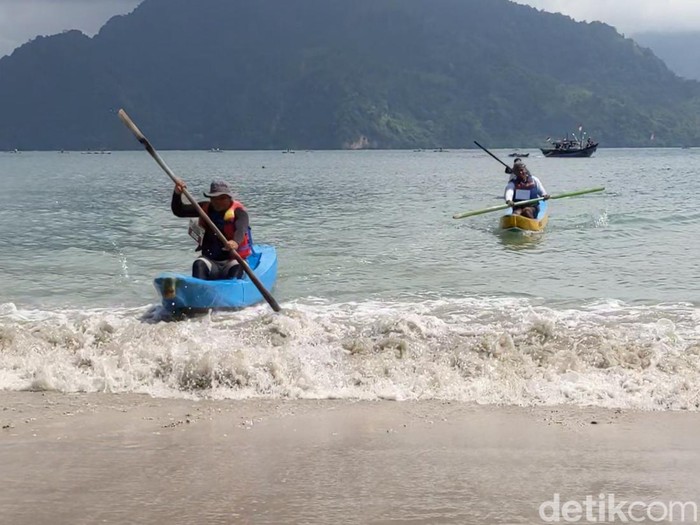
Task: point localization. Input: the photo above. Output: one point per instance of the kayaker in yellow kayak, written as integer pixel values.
(231, 217)
(521, 187)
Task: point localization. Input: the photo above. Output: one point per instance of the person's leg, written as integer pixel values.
(201, 268)
(517, 211)
(233, 270)
(528, 212)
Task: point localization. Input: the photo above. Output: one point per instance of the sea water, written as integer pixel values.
(384, 295)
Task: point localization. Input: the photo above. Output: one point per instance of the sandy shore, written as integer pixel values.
(103, 458)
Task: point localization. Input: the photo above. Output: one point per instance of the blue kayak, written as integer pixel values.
(185, 294)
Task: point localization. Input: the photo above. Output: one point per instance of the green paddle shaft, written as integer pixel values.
(143, 140)
(523, 203)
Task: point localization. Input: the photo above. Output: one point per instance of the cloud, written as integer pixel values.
(629, 16)
(22, 20)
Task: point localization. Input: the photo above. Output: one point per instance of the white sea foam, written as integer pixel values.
(484, 350)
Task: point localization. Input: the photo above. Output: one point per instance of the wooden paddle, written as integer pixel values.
(523, 203)
(143, 140)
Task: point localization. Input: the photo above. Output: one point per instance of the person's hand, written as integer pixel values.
(509, 203)
(545, 197)
(509, 171)
(231, 246)
(179, 186)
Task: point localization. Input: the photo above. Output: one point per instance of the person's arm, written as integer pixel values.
(241, 228)
(509, 193)
(180, 209)
(242, 224)
(540, 188)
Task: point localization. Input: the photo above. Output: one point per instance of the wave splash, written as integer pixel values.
(483, 350)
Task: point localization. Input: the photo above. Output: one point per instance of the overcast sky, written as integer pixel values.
(629, 16)
(22, 20)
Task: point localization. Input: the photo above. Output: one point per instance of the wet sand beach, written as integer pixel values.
(102, 458)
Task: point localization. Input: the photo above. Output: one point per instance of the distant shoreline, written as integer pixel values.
(409, 150)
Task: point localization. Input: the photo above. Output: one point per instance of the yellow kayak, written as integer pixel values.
(520, 223)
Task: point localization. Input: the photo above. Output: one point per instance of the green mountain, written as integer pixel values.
(241, 74)
(680, 50)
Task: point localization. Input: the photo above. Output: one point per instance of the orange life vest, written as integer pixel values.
(244, 248)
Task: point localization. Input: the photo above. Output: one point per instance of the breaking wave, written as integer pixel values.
(482, 350)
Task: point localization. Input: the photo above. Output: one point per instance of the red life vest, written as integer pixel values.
(244, 248)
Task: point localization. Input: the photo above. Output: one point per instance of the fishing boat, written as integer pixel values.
(515, 154)
(570, 148)
(573, 150)
(184, 294)
(518, 223)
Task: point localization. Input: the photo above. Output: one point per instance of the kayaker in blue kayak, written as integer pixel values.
(521, 187)
(231, 217)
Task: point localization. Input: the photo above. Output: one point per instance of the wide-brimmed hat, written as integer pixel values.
(218, 188)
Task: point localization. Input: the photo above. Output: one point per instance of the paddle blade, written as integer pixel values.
(130, 124)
